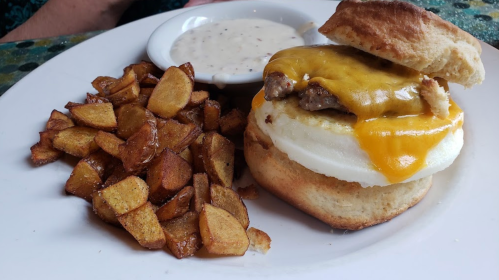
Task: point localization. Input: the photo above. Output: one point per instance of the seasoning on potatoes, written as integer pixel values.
(222, 234)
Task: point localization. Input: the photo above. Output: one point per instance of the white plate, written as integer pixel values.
(452, 234)
(163, 38)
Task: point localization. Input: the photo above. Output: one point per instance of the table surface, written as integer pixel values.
(17, 59)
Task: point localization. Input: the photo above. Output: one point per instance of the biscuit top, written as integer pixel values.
(408, 35)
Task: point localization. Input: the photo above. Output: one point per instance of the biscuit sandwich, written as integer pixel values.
(352, 133)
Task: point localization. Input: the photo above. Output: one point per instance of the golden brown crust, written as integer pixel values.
(410, 36)
(338, 203)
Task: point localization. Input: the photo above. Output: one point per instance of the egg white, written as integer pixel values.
(327, 145)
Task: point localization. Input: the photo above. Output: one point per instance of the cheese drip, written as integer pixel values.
(398, 146)
(394, 125)
(368, 86)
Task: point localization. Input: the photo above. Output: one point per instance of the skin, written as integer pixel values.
(63, 17)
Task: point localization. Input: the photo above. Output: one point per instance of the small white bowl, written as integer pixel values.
(162, 39)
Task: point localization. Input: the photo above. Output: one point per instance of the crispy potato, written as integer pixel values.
(211, 116)
(146, 91)
(70, 104)
(230, 201)
(176, 136)
(148, 81)
(233, 123)
(221, 233)
(177, 206)
(182, 235)
(101, 162)
(126, 195)
(128, 78)
(249, 192)
(140, 148)
(131, 117)
(103, 210)
(102, 83)
(118, 174)
(171, 94)
(43, 152)
(259, 240)
(191, 115)
(97, 115)
(77, 141)
(198, 97)
(92, 98)
(109, 143)
(218, 158)
(144, 95)
(58, 124)
(197, 154)
(187, 155)
(158, 126)
(201, 191)
(167, 174)
(58, 121)
(83, 181)
(144, 226)
(126, 95)
(144, 68)
(188, 69)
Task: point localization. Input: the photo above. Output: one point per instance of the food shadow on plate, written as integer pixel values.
(113, 231)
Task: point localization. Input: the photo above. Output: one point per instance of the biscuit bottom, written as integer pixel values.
(340, 204)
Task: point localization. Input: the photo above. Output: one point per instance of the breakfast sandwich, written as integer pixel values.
(352, 133)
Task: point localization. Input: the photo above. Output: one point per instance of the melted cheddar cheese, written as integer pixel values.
(368, 86)
(394, 126)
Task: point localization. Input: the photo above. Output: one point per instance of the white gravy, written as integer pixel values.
(231, 47)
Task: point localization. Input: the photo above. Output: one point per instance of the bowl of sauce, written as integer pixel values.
(230, 43)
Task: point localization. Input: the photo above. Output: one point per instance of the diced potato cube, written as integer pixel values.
(126, 95)
(198, 98)
(126, 195)
(218, 158)
(230, 201)
(144, 226)
(77, 141)
(233, 123)
(171, 94)
(201, 191)
(102, 83)
(167, 174)
(131, 117)
(58, 121)
(109, 143)
(102, 209)
(211, 117)
(221, 233)
(97, 115)
(177, 206)
(182, 235)
(44, 152)
(83, 181)
(140, 148)
(176, 136)
(197, 154)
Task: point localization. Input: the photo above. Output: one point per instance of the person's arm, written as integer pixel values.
(62, 17)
